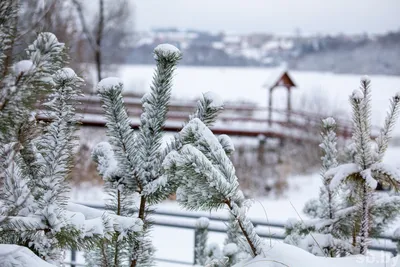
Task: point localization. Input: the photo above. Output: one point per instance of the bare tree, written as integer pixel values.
(58, 17)
(111, 30)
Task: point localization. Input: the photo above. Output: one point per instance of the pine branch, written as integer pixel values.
(155, 107)
(119, 131)
(361, 135)
(390, 120)
(209, 180)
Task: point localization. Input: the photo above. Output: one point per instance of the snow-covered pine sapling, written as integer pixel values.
(200, 241)
(329, 160)
(33, 195)
(208, 178)
(115, 250)
(138, 155)
(368, 169)
(327, 233)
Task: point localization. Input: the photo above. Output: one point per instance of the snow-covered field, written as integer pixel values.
(315, 90)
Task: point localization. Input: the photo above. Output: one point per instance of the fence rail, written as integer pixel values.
(388, 240)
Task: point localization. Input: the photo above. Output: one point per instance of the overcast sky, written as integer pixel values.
(273, 16)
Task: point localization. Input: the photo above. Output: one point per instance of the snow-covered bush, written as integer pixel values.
(349, 209)
(36, 156)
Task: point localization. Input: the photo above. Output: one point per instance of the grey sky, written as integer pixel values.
(275, 16)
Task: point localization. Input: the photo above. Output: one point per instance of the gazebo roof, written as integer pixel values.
(280, 77)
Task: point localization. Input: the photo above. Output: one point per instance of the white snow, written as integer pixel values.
(357, 94)
(66, 74)
(13, 255)
(23, 67)
(390, 170)
(370, 181)
(215, 99)
(109, 83)
(107, 164)
(230, 249)
(96, 221)
(166, 50)
(202, 222)
(94, 227)
(340, 173)
(226, 141)
(365, 79)
(329, 122)
(281, 254)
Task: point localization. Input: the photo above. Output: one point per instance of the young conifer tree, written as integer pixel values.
(37, 161)
(132, 165)
(359, 212)
(368, 170)
(36, 156)
(327, 233)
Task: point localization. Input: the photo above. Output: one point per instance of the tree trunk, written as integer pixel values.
(99, 37)
(364, 231)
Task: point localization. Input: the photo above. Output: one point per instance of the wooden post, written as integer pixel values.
(289, 103)
(270, 106)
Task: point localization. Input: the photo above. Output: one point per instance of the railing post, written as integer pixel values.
(73, 258)
(194, 246)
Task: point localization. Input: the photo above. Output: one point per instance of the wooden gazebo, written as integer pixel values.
(280, 78)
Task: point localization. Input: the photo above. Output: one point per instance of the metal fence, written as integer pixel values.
(388, 241)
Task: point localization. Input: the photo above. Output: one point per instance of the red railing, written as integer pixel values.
(236, 119)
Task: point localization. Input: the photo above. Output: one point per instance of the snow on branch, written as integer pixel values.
(384, 136)
(208, 178)
(14, 255)
(340, 173)
(95, 221)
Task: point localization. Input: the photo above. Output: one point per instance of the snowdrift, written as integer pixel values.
(280, 255)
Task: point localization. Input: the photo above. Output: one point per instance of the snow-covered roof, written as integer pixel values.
(276, 76)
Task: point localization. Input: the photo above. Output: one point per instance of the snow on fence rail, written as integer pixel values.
(263, 229)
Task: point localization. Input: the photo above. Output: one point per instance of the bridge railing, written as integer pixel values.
(263, 229)
(240, 112)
